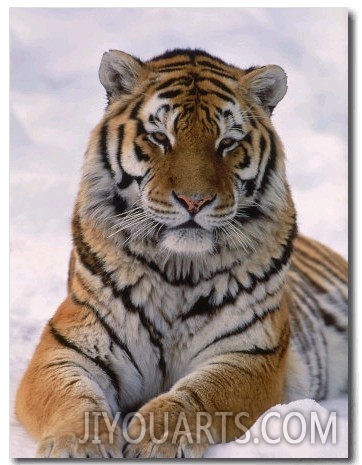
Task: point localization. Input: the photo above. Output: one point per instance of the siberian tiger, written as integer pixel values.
(191, 298)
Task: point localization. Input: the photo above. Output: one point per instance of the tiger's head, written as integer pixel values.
(186, 153)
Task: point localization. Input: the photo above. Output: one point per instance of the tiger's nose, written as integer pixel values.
(194, 203)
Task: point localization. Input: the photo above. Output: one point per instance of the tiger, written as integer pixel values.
(191, 294)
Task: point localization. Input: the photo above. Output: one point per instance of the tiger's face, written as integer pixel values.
(191, 188)
(188, 144)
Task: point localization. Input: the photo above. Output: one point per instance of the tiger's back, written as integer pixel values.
(318, 286)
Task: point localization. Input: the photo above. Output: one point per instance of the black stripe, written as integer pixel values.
(90, 259)
(172, 64)
(103, 149)
(270, 166)
(246, 159)
(123, 107)
(321, 271)
(140, 128)
(328, 263)
(206, 109)
(119, 203)
(212, 65)
(311, 338)
(176, 122)
(239, 330)
(252, 68)
(169, 82)
(153, 266)
(250, 214)
(185, 280)
(280, 348)
(318, 288)
(216, 83)
(173, 67)
(126, 178)
(170, 93)
(328, 318)
(155, 338)
(138, 179)
(141, 156)
(126, 181)
(315, 338)
(201, 307)
(64, 341)
(135, 109)
(250, 118)
(204, 307)
(109, 330)
(249, 186)
(165, 107)
(227, 98)
(222, 74)
(154, 335)
(177, 52)
(256, 350)
(262, 144)
(275, 264)
(182, 80)
(93, 293)
(170, 69)
(248, 138)
(119, 145)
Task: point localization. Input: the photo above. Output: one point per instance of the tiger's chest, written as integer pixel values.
(178, 324)
(173, 328)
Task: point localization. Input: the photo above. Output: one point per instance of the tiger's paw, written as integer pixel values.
(70, 446)
(163, 429)
(147, 448)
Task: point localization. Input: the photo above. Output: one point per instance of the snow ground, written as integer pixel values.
(56, 100)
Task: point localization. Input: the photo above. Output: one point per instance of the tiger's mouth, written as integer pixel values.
(190, 224)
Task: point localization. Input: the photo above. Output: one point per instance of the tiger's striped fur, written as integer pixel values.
(184, 294)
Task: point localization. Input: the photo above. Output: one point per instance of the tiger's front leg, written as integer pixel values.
(217, 403)
(66, 411)
(66, 398)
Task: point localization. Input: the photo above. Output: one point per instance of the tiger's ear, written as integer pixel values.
(119, 73)
(267, 85)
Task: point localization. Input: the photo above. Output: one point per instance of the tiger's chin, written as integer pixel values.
(188, 242)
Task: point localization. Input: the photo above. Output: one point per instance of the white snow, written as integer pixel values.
(56, 99)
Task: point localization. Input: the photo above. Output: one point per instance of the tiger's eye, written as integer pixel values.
(159, 137)
(227, 142)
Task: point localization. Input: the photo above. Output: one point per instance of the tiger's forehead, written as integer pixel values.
(193, 85)
(173, 113)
